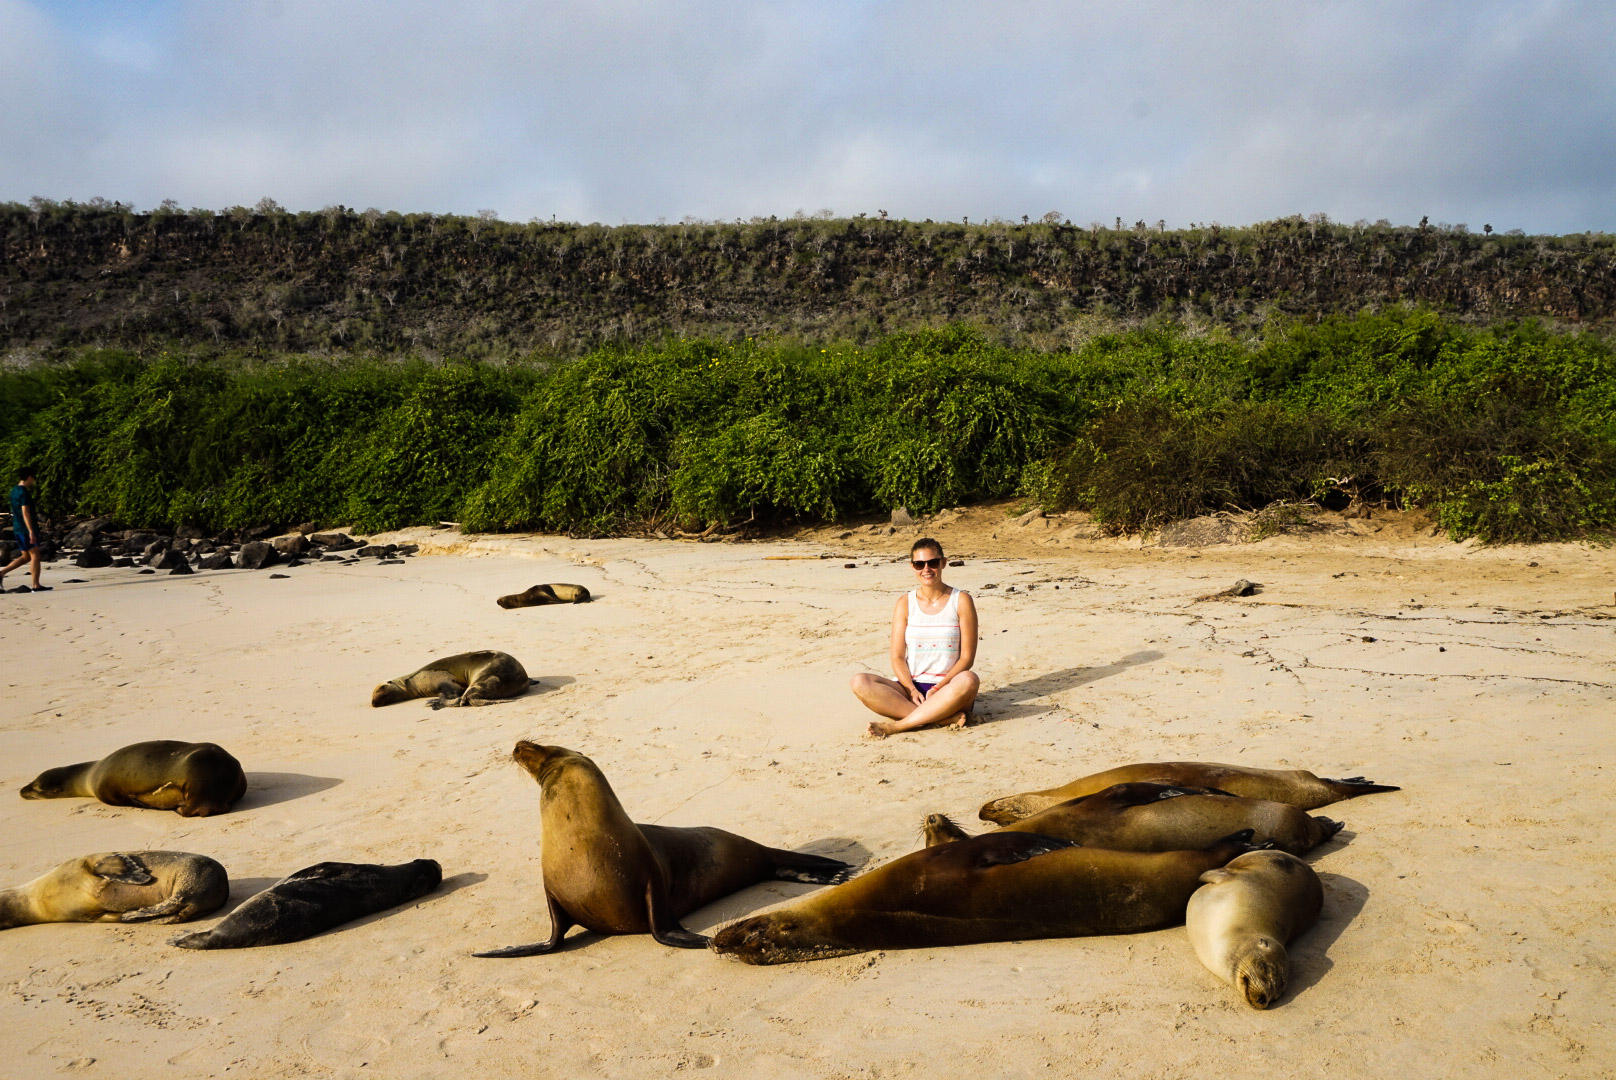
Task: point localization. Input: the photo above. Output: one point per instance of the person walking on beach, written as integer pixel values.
(24, 525)
(933, 648)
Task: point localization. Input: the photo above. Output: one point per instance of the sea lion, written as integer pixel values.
(607, 874)
(119, 886)
(473, 678)
(1242, 918)
(546, 594)
(1161, 817)
(1298, 787)
(316, 899)
(196, 779)
(1002, 886)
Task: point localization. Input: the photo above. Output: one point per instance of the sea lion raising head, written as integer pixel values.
(605, 873)
(119, 886)
(196, 779)
(473, 678)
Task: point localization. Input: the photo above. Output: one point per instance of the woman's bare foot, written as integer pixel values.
(960, 719)
(880, 729)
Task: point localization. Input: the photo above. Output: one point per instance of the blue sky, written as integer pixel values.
(1483, 112)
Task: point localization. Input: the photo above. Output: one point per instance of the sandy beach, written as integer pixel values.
(1468, 927)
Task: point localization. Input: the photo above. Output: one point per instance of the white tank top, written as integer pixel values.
(932, 642)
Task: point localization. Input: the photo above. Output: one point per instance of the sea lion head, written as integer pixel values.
(538, 760)
(388, 693)
(50, 783)
(941, 829)
(781, 937)
(1261, 972)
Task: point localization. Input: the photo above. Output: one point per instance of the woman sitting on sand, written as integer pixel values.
(933, 648)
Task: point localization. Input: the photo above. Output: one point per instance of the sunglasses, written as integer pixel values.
(927, 564)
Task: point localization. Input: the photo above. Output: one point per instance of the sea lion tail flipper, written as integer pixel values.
(1002, 849)
(203, 940)
(122, 868)
(809, 869)
(1350, 787)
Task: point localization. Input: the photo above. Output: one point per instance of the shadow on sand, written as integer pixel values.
(1014, 700)
(269, 788)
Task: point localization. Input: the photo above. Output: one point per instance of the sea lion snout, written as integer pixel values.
(533, 757)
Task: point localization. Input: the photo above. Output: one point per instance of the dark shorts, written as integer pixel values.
(25, 543)
(924, 687)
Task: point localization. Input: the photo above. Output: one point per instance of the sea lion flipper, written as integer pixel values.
(169, 909)
(1329, 827)
(1212, 877)
(121, 868)
(665, 929)
(1001, 849)
(560, 923)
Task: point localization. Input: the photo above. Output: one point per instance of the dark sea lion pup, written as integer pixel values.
(1247, 912)
(546, 594)
(1001, 886)
(1298, 787)
(607, 874)
(1161, 817)
(196, 779)
(473, 678)
(316, 899)
(119, 886)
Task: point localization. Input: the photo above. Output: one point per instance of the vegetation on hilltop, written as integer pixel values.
(269, 281)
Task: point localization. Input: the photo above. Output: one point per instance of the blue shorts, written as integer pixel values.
(925, 687)
(25, 543)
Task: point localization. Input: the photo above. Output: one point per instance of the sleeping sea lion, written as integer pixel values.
(546, 594)
(197, 779)
(1298, 787)
(1002, 886)
(1247, 912)
(316, 899)
(119, 886)
(473, 678)
(605, 873)
(1161, 817)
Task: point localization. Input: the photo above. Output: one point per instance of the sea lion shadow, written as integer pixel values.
(269, 788)
(1344, 898)
(766, 894)
(242, 890)
(549, 683)
(1017, 699)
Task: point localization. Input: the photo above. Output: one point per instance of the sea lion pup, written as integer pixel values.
(546, 594)
(196, 779)
(473, 678)
(119, 886)
(1298, 787)
(1161, 817)
(316, 899)
(1002, 886)
(607, 874)
(1242, 918)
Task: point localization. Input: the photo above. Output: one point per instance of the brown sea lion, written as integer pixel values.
(1002, 886)
(1247, 912)
(1298, 787)
(119, 886)
(1161, 817)
(605, 873)
(546, 594)
(473, 678)
(197, 779)
(314, 900)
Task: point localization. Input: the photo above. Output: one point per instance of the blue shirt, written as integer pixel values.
(20, 497)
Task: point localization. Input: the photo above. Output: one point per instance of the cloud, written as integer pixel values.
(1503, 112)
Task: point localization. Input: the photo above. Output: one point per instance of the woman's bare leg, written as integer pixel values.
(883, 696)
(948, 703)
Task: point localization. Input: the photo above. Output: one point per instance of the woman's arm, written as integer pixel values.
(900, 649)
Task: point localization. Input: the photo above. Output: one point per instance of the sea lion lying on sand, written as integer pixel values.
(605, 873)
(1002, 886)
(1247, 912)
(473, 678)
(196, 779)
(1298, 787)
(316, 899)
(1161, 817)
(546, 594)
(119, 886)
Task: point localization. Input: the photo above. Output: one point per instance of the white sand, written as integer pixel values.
(1468, 924)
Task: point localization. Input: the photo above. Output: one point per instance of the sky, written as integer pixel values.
(1498, 112)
